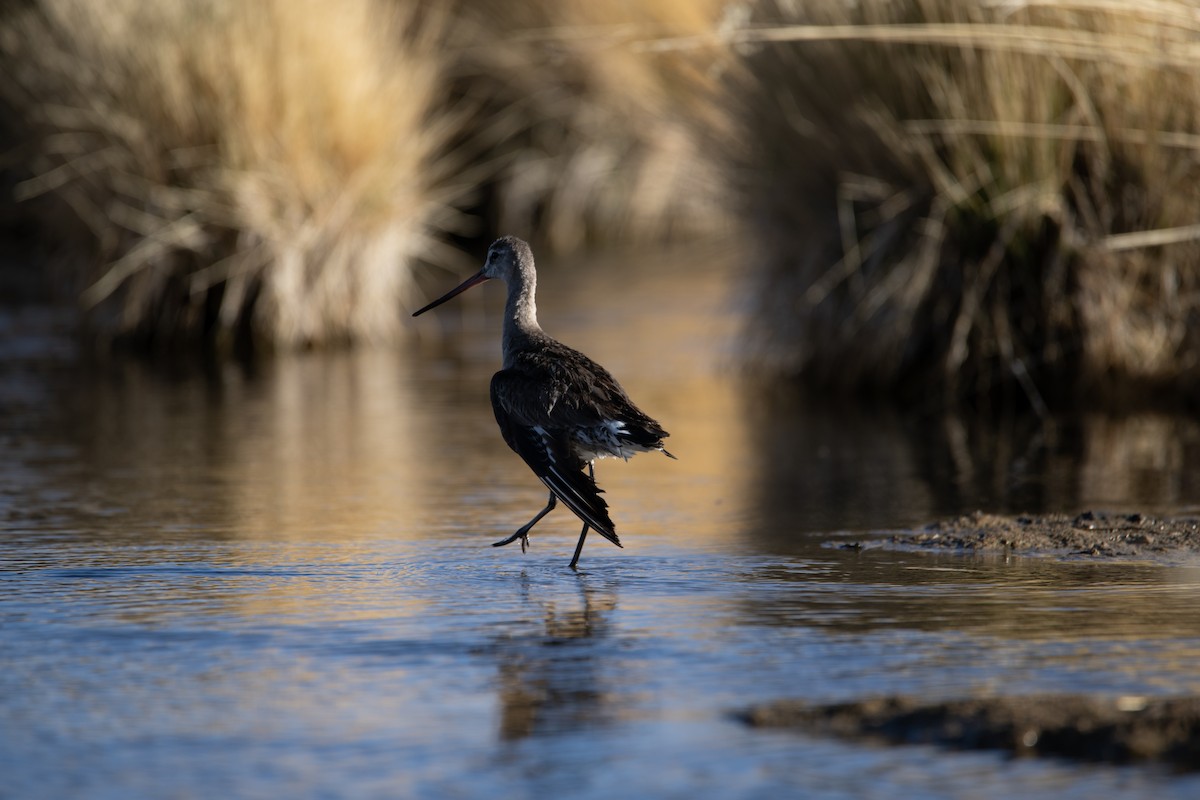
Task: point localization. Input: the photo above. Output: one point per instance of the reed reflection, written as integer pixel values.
(822, 468)
(300, 447)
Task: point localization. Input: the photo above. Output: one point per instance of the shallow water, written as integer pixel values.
(277, 581)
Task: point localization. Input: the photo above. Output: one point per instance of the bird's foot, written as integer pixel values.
(523, 536)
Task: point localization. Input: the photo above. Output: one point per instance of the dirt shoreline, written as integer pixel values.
(1090, 534)
(1120, 730)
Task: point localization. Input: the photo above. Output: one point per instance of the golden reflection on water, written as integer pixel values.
(326, 446)
(1144, 459)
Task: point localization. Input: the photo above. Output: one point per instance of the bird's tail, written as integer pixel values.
(581, 494)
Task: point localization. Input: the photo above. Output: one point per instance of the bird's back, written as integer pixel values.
(568, 392)
(559, 410)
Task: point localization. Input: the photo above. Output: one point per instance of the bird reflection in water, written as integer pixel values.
(554, 680)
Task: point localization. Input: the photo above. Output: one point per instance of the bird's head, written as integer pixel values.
(505, 258)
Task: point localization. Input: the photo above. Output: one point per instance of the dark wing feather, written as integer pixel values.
(547, 452)
(564, 389)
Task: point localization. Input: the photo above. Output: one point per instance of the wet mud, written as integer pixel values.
(1120, 730)
(1114, 730)
(1090, 534)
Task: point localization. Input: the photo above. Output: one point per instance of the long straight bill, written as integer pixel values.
(474, 280)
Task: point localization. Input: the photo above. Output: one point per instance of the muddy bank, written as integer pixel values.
(1092, 533)
(1121, 730)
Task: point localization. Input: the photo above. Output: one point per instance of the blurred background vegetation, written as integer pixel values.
(981, 202)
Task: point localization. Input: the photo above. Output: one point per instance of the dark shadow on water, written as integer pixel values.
(824, 467)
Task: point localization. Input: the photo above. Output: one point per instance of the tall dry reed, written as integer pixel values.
(265, 169)
(593, 134)
(959, 198)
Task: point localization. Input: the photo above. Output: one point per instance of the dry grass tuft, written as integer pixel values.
(271, 170)
(265, 170)
(593, 135)
(980, 197)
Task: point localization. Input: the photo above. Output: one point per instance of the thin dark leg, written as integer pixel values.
(583, 533)
(579, 547)
(523, 532)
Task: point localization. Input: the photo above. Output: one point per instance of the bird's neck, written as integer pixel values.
(520, 316)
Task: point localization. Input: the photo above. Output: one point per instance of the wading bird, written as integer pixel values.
(557, 409)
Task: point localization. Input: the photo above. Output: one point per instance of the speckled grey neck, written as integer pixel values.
(520, 311)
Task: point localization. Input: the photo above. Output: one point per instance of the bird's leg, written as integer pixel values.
(583, 533)
(579, 547)
(523, 532)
